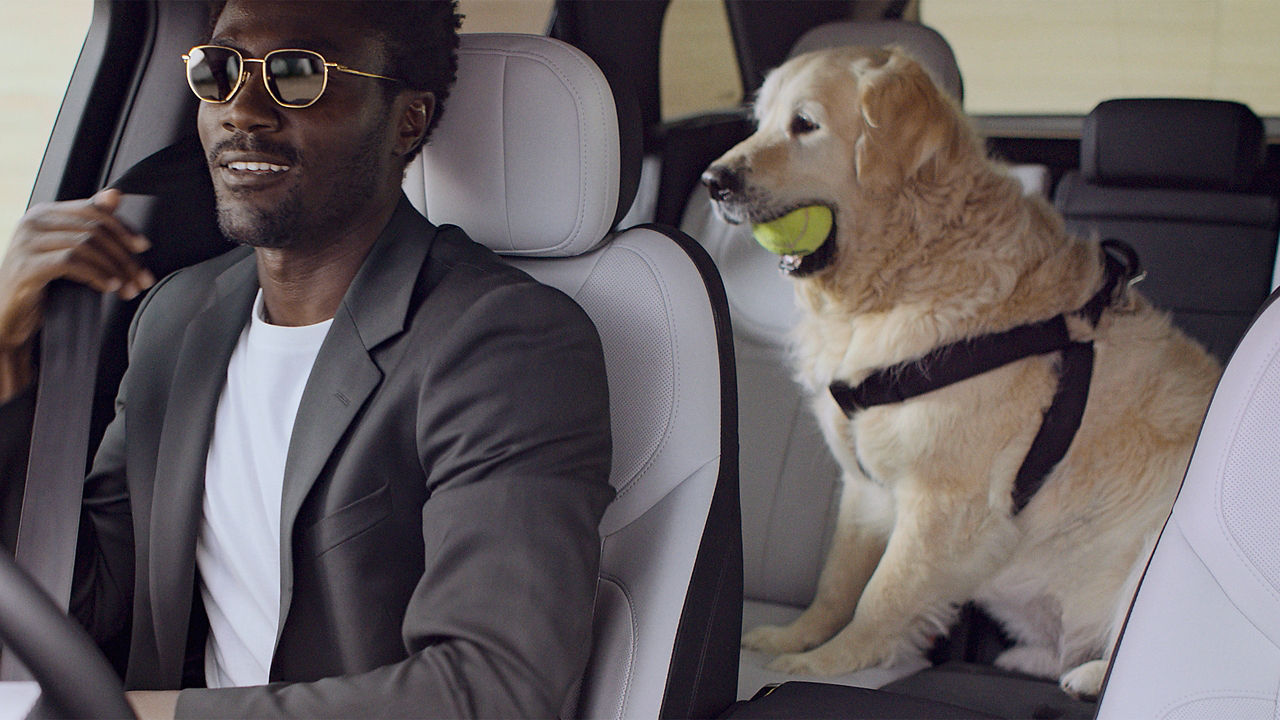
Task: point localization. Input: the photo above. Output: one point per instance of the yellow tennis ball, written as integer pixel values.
(799, 232)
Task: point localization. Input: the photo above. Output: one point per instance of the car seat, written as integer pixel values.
(765, 33)
(530, 157)
(1202, 638)
(1173, 178)
(1203, 634)
(789, 480)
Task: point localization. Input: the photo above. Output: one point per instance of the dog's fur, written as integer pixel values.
(934, 243)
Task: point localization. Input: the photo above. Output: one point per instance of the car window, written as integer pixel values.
(699, 71)
(43, 40)
(520, 16)
(1023, 57)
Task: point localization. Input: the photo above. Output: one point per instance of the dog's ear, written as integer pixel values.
(909, 128)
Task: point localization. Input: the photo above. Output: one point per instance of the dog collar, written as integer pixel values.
(968, 358)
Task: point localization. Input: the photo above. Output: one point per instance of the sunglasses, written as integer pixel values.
(294, 78)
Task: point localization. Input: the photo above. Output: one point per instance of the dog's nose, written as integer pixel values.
(722, 181)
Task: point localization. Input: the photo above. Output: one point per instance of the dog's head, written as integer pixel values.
(853, 129)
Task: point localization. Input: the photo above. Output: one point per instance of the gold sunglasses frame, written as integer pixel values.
(244, 74)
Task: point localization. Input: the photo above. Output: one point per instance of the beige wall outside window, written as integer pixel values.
(1064, 56)
(42, 40)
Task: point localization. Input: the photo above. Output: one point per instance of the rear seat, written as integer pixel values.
(788, 479)
(1174, 179)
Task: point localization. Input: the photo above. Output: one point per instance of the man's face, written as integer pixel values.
(288, 177)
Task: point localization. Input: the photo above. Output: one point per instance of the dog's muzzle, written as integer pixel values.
(726, 186)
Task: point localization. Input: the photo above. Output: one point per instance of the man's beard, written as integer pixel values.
(273, 228)
(288, 223)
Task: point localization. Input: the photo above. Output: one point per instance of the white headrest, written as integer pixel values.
(526, 155)
(923, 43)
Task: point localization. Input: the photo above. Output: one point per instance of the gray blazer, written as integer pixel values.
(447, 472)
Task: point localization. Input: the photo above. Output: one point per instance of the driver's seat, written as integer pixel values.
(531, 157)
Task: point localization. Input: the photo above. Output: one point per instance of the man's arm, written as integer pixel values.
(78, 240)
(513, 435)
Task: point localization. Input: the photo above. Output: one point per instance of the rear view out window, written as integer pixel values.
(1051, 57)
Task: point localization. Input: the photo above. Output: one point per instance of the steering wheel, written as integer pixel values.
(75, 679)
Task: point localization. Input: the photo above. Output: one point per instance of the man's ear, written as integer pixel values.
(415, 118)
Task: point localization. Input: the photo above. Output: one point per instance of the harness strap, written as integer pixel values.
(1120, 265)
(951, 364)
(1060, 423)
(974, 356)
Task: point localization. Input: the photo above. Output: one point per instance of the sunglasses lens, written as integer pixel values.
(213, 72)
(295, 77)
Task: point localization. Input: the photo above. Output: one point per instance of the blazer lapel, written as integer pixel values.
(345, 372)
(199, 376)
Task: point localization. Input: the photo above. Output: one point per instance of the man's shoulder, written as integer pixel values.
(461, 265)
(185, 291)
(455, 252)
(466, 281)
(201, 275)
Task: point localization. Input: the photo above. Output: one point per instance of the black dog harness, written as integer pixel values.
(974, 356)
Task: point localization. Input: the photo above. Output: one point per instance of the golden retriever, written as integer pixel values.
(934, 243)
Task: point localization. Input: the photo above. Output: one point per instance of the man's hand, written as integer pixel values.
(153, 704)
(79, 240)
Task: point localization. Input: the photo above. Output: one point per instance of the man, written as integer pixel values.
(358, 464)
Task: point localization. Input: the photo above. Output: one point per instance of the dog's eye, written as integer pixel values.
(801, 125)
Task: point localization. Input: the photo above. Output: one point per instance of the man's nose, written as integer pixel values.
(252, 109)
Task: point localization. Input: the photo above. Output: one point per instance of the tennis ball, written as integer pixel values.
(799, 232)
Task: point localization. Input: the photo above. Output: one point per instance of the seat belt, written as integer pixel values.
(50, 521)
(49, 527)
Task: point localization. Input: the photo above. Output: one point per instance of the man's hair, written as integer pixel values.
(421, 40)
(421, 37)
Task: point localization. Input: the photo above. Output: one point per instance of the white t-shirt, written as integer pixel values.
(238, 548)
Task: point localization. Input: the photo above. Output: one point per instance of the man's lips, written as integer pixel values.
(251, 170)
(255, 167)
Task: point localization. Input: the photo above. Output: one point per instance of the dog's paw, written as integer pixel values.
(775, 640)
(1085, 682)
(1030, 660)
(805, 663)
(829, 659)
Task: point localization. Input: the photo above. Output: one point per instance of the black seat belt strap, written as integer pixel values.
(50, 523)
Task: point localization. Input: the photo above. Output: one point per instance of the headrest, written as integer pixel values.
(1157, 142)
(920, 41)
(528, 158)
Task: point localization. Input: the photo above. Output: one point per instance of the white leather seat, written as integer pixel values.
(923, 42)
(528, 159)
(789, 480)
(1203, 635)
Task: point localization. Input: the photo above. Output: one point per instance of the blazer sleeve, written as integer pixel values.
(513, 438)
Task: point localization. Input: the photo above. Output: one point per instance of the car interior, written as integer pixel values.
(726, 491)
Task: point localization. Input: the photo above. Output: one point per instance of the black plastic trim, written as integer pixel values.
(102, 86)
